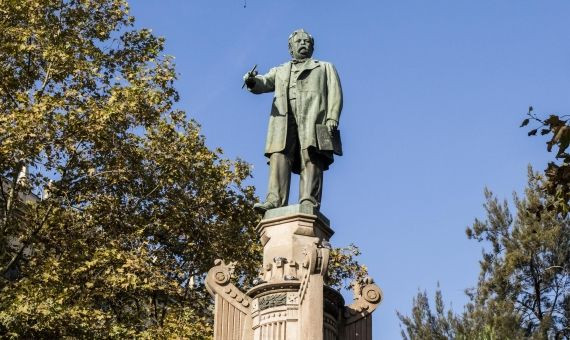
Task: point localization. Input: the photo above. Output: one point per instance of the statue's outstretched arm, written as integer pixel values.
(262, 83)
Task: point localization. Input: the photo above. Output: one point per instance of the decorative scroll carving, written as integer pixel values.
(272, 300)
(367, 296)
(232, 316)
(218, 282)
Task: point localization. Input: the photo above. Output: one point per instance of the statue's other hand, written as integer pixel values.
(332, 124)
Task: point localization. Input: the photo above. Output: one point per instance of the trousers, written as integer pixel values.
(281, 165)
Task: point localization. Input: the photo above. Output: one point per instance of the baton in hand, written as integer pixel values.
(250, 72)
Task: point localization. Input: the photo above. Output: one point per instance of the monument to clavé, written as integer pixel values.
(290, 299)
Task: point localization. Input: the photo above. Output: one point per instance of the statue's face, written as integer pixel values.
(301, 46)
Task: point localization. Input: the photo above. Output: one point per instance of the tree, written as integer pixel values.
(344, 268)
(424, 324)
(557, 173)
(524, 284)
(135, 207)
(441, 324)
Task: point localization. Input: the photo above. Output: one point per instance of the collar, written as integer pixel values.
(300, 61)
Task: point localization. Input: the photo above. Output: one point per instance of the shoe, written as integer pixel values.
(312, 206)
(263, 207)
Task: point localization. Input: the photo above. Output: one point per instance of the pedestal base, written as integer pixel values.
(291, 301)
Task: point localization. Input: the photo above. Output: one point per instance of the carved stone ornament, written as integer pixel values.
(273, 300)
(218, 283)
(367, 296)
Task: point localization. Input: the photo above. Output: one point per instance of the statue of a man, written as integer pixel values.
(306, 107)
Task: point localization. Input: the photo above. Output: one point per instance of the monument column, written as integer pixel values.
(290, 300)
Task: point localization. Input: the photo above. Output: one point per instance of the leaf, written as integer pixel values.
(525, 122)
(554, 121)
(532, 132)
(544, 131)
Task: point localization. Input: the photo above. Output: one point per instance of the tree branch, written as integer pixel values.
(9, 95)
(46, 78)
(19, 253)
(11, 198)
(536, 287)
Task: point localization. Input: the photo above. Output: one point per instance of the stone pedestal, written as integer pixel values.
(290, 300)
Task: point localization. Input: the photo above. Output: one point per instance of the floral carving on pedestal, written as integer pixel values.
(273, 300)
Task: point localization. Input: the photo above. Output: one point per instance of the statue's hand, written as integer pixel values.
(332, 124)
(249, 78)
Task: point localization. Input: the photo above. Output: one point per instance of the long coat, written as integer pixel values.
(319, 98)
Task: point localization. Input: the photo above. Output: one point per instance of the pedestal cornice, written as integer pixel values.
(307, 220)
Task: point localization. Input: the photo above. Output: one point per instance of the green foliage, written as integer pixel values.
(136, 207)
(424, 324)
(524, 284)
(557, 173)
(344, 267)
(526, 273)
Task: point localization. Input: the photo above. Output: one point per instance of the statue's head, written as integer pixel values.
(301, 44)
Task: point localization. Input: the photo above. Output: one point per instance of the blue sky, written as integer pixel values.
(434, 92)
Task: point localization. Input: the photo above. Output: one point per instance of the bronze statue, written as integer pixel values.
(302, 135)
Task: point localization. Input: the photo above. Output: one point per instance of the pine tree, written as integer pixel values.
(524, 285)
